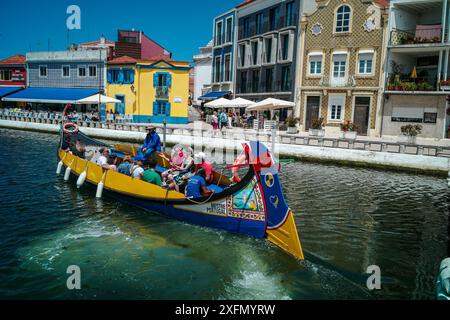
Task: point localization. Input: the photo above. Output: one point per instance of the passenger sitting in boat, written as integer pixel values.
(125, 166)
(196, 187)
(152, 143)
(201, 162)
(103, 160)
(150, 175)
(137, 170)
(186, 167)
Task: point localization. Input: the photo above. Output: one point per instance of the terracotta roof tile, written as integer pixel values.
(96, 42)
(123, 60)
(14, 60)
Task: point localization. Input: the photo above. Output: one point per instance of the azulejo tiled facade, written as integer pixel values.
(341, 72)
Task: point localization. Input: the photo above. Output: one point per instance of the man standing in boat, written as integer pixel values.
(152, 143)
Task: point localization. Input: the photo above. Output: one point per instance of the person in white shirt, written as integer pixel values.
(103, 160)
(137, 170)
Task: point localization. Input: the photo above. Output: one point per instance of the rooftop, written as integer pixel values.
(14, 60)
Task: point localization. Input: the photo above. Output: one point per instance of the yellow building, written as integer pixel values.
(151, 91)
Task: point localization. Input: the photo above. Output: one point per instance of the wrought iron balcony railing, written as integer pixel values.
(162, 92)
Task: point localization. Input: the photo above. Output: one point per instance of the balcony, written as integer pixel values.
(162, 92)
(422, 35)
(346, 82)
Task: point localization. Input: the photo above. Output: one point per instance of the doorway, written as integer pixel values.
(120, 107)
(312, 110)
(361, 114)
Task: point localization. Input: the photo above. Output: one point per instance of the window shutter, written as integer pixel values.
(169, 80)
(156, 79)
(167, 108)
(120, 77)
(131, 76)
(291, 46)
(260, 50)
(155, 108)
(273, 56)
(239, 56)
(109, 76)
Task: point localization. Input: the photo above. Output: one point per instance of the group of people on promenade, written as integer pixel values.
(223, 119)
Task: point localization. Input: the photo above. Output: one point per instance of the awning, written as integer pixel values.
(51, 95)
(219, 103)
(270, 104)
(214, 95)
(4, 91)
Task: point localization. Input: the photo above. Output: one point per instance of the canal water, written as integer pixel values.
(348, 219)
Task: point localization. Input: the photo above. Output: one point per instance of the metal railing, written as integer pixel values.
(349, 81)
(162, 92)
(423, 34)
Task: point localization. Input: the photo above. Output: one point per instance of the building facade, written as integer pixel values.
(223, 52)
(202, 72)
(137, 45)
(150, 90)
(341, 65)
(417, 67)
(13, 71)
(81, 68)
(266, 49)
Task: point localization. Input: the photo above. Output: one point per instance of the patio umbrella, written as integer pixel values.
(241, 103)
(97, 98)
(270, 104)
(219, 103)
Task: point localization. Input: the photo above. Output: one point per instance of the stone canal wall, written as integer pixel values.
(430, 164)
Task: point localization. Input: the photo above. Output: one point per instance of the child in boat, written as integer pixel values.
(103, 160)
(150, 175)
(125, 166)
(196, 186)
(137, 170)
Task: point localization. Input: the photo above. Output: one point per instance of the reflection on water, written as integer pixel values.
(348, 219)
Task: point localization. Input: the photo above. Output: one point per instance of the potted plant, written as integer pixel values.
(317, 128)
(411, 131)
(292, 124)
(445, 85)
(397, 70)
(348, 130)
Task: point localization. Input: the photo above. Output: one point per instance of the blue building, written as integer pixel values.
(223, 55)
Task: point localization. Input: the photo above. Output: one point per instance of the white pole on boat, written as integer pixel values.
(82, 177)
(164, 134)
(100, 185)
(68, 170)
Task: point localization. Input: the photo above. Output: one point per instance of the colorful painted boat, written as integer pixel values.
(255, 206)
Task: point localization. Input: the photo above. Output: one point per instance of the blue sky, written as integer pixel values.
(181, 26)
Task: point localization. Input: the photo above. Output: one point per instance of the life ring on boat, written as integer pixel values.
(70, 128)
(235, 168)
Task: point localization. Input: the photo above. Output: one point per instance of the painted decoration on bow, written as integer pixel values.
(276, 204)
(248, 203)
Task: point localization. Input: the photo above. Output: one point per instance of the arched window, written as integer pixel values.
(343, 19)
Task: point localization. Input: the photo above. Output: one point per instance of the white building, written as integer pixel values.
(203, 72)
(417, 63)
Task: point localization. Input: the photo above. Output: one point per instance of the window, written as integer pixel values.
(273, 18)
(92, 71)
(66, 71)
(259, 23)
(286, 78)
(242, 52)
(339, 68)
(115, 76)
(161, 108)
(229, 29)
(219, 33)
(217, 69)
(255, 81)
(315, 64)
(289, 13)
(284, 47)
(336, 108)
(5, 75)
(269, 80)
(246, 26)
(343, 19)
(255, 53)
(227, 68)
(82, 71)
(268, 50)
(365, 63)
(128, 76)
(42, 71)
(243, 84)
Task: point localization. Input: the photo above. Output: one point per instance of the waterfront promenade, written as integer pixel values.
(427, 155)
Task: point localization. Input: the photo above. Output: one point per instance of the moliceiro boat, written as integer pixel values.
(254, 206)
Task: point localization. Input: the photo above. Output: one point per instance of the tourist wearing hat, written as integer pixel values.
(152, 143)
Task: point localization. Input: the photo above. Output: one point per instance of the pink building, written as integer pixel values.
(137, 45)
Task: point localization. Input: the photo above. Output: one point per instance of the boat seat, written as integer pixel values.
(160, 169)
(215, 188)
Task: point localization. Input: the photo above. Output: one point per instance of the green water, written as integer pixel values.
(347, 218)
